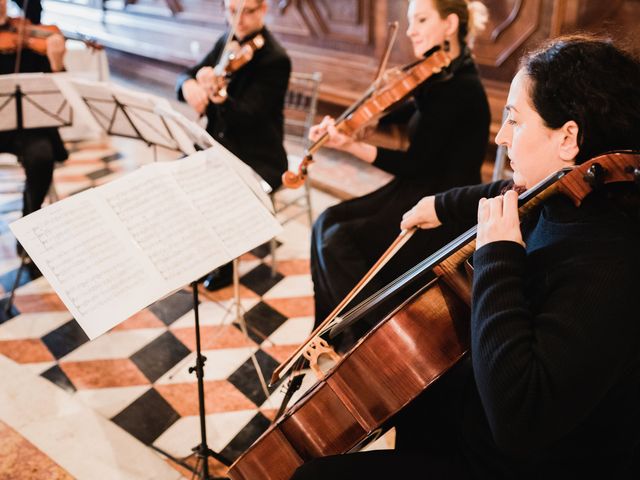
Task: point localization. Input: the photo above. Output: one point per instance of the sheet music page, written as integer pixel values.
(139, 110)
(165, 226)
(43, 104)
(192, 130)
(249, 176)
(82, 117)
(89, 260)
(7, 104)
(185, 143)
(225, 201)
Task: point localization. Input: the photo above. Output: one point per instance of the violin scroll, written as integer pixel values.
(296, 180)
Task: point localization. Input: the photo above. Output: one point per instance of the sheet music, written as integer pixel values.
(110, 251)
(43, 104)
(228, 204)
(130, 113)
(92, 265)
(164, 225)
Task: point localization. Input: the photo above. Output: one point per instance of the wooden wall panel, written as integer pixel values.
(343, 39)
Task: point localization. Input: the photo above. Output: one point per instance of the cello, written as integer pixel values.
(407, 351)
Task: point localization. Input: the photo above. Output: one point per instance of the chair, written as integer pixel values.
(299, 114)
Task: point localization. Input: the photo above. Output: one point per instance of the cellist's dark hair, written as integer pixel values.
(591, 81)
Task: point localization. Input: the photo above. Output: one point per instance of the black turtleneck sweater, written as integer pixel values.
(555, 341)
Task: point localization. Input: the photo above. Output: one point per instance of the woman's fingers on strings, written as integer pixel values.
(510, 206)
(483, 210)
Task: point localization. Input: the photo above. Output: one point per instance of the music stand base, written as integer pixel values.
(197, 468)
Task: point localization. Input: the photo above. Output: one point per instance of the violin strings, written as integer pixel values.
(425, 265)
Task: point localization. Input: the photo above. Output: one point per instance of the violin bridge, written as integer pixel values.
(314, 350)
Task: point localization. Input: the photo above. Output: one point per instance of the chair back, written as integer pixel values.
(300, 105)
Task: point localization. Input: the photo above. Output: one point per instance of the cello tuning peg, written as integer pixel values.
(595, 175)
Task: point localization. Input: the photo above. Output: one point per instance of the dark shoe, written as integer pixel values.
(219, 278)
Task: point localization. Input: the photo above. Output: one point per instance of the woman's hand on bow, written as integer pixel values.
(337, 140)
(422, 215)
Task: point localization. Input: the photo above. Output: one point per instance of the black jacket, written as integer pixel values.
(250, 122)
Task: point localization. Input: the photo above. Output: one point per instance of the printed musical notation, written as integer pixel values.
(111, 251)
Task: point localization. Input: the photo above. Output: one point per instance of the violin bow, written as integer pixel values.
(234, 26)
(391, 39)
(333, 319)
(21, 33)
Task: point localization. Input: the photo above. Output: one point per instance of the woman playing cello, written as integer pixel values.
(349, 237)
(551, 388)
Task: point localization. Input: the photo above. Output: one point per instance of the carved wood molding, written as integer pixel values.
(349, 22)
(511, 23)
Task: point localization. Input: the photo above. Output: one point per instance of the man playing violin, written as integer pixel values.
(244, 110)
(37, 149)
(551, 385)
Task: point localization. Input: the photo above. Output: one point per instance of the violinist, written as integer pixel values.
(551, 388)
(37, 149)
(246, 116)
(448, 124)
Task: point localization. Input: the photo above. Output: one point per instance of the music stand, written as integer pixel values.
(132, 114)
(202, 451)
(29, 101)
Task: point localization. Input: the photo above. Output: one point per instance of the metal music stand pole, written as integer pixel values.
(202, 451)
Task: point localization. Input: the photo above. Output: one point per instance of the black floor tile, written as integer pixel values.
(156, 358)
(96, 174)
(65, 339)
(147, 417)
(246, 380)
(262, 321)
(243, 440)
(57, 376)
(263, 250)
(173, 307)
(112, 157)
(260, 279)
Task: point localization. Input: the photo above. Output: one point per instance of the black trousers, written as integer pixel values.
(38, 161)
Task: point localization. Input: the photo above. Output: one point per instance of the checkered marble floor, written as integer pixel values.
(67, 400)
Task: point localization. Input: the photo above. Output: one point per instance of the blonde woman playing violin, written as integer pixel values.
(448, 125)
(247, 115)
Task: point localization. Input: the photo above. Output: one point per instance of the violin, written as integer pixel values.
(34, 37)
(391, 87)
(21, 33)
(419, 341)
(233, 59)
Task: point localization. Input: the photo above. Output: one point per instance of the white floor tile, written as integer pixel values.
(110, 401)
(292, 286)
(178, 439)
(32, 325)
(293, 331)
(81, 441)
(219, 365)
(117, 344)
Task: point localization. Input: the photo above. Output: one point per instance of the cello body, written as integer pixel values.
(381, 374)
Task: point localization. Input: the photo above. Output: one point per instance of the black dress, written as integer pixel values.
(448, 135)
(250, 123)
(37, 149)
